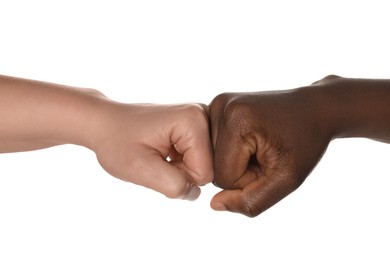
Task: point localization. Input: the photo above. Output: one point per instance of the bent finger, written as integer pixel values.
(192, 141)
(254, 198)
(232, 158)
(163, 177)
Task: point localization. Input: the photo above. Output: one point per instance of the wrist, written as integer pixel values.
(323, 108)
(77, 117)
(347, 107)
(37, 115)
(90, 119)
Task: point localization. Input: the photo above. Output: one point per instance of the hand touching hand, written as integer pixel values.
(165, 148)
(265, 145)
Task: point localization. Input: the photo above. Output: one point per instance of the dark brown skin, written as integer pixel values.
(267, 143)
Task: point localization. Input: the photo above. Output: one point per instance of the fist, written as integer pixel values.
(265, 145)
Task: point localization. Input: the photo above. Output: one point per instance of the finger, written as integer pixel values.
(326, 79)
(254, 198)
(157, 174)
(215, 110)
(233, 148)
(232, 157)
(192, 141)
(174, 155)
(205, 109)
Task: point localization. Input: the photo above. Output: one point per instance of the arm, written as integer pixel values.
(37, 115)
(267, 143)
(131, 141)
(355, 108)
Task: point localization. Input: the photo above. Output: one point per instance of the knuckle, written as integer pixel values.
(93, 92)
(290, 181)
(296, 181)
(194, 108)
(237, 120)
(221, 182)
(236, 111)
(328, 79)
(204, 179)
(251, 206)
(195, 114)
(174, 191)
(220, 100)
(218, 104)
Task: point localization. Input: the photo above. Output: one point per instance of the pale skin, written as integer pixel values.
(267, 143)
(166, 148)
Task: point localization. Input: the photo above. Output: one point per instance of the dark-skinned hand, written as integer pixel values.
(265, 145)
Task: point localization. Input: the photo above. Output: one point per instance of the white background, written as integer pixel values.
(59, 204)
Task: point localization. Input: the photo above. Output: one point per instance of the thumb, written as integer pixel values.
(166, 178)
(254, 198)
(229, 200)
(177, 186)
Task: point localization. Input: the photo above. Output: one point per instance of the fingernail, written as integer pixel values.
(218, 206)
(193, 193)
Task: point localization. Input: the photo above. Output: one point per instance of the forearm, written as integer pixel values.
(354, 107)
(35, 115)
